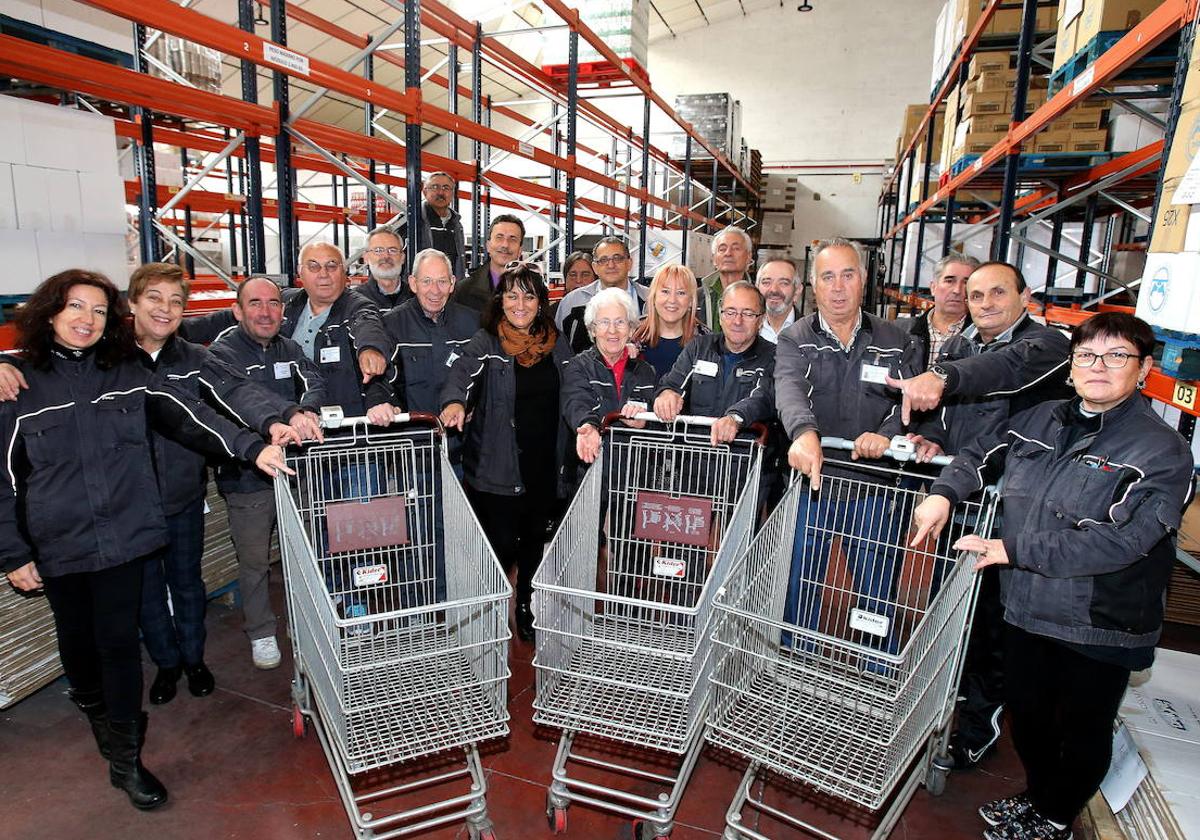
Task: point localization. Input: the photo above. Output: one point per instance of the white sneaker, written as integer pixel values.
(265, 652)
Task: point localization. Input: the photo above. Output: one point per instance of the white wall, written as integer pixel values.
(826, 86)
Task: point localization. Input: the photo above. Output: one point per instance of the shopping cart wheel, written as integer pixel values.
(935, 780)
(556, 817)
(648, 831)
(298, 723)
(481, 833)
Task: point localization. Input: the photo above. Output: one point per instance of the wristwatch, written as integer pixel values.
(940, 371)
(741, 421)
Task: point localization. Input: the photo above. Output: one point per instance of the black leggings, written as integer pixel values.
(516, 528)
(1063, 705)
(96, 620)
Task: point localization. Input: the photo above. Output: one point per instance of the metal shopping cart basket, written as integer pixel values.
(399, 624)
(623, 640)
(839, 648)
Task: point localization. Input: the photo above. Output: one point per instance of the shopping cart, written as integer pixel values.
(399, 623)
(623, 641)
(839, 648)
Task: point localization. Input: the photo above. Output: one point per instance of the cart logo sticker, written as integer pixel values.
(669, 567)
(1160, 285)
(867, 622)
(369, 575)
(685, 520)
(374, 523)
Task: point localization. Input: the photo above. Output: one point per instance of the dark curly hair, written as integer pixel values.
(528, 278)
(35, 335)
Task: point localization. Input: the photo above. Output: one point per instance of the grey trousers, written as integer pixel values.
(251, 521)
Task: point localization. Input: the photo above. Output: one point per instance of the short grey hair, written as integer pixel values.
(953, 258)
(385, 230)
(438, 174)
(839, 242)
(787, 260)
(733, 230)
(606, 297)
(321, 243)
(431, 254)
(744, 284)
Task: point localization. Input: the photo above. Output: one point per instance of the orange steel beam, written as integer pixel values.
(964, 55)
(25, 60)
(1153, 29)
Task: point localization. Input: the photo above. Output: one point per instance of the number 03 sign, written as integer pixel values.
(1184, 396)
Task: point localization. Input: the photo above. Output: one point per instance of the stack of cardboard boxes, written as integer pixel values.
(912, 121)
(1080, 21)
(958, 19)
(1169, 297)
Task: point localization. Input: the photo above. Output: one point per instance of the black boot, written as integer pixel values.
(91, 703)
(125, 769)
(524, 622)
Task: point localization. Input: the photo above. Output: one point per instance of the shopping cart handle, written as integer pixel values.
(333, 418)
(901, 449)
(758, 429)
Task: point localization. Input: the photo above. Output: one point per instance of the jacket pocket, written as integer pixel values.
(1026, 468)
(121, 421)
(48, 437)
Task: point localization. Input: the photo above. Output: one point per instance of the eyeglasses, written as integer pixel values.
(440, 282)
(1113, 359)
(439, 187)
(523, 264)
(330, 267)
(615, 323)
(615, 259)
(380, 251)
(733, 314)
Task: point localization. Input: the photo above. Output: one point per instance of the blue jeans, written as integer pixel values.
(870, 531)
(178, 639)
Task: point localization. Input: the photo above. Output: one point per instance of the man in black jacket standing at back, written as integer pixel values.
(948, 315)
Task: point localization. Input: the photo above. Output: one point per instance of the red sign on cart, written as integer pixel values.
(358, 526)
(684, 519)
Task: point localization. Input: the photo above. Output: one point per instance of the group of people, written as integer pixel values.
(101, 408)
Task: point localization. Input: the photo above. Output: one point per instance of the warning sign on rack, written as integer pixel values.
(359, 526)
(685, 519)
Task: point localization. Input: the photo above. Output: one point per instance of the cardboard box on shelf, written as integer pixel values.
(1184, 144)
(975, 144)
(1065, 41)
(1005, 22)
(1111, 15)
(990, 123)
(988, 62)
(992, 102)
(1054, 144)
(1166, 295)
(1171, 222)
(990, 80)
(1088, 141)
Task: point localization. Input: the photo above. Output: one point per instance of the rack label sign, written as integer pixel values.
(285, 58)
(360, 526)
(1083, 80)
(660, 517)
(1184, 396)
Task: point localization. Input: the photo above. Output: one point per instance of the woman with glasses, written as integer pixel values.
(670, 321)
(605, 378)
(577, 272)
(1094, 490)
(507, 382)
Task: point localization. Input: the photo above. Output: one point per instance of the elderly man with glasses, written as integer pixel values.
(728, 374)
(384, 258)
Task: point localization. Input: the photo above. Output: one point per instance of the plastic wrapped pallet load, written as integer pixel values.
(623, 25)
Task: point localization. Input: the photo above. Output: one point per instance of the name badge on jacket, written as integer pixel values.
(704, 367)
(331, 355)
(283, 370)
(873, 373)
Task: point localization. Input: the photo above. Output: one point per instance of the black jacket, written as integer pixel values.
(281, 368)
(424, 350)
(699, 376)
(424, 238)
(353, 325)
(182, 473)
(820, 387)
(987, 383)
(589, 390)
(380, 299)
(1089, 527)
(475, 290)
(78, 491)
(482, 379)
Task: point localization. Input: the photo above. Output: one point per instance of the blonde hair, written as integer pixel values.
(647, 332)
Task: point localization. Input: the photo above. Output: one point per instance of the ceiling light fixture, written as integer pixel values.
(805, 7)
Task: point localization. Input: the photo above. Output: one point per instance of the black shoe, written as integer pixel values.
(91, 703)
(162, 690)
(199, 679)
(524, 623)
(125, 769)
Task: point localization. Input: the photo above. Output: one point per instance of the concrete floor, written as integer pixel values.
(235, 770)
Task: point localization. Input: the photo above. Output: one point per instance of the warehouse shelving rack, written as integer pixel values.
(617, 189)
(1124, 187)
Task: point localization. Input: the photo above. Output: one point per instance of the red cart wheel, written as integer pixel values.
(298, 725)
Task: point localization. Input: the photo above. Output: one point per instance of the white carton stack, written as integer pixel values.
(623, 25)
(62, 201)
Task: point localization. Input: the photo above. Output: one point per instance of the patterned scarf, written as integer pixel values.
(526, 348)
